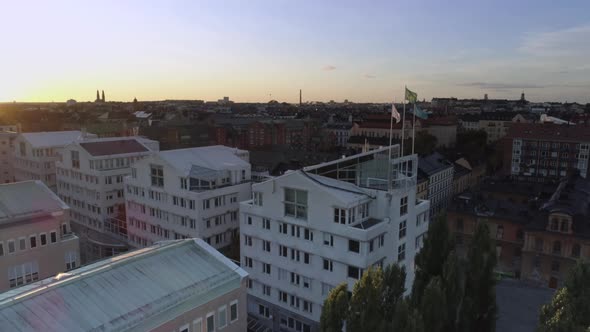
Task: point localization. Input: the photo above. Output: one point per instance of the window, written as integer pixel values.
(249, 220)
(519, 234)
(75, 159)
(263, 311)
(340, 216)
(266, 268)
(401, 252)
(257, 198)
(328, 265)
(266, 223)
(306, 258)
(283, 251)
(308, 235)
(198, 325)
(576, 250)
(328, 239)
(248, 262)
(70, 259)
(555, 266)
(539, 244)
(266, 245)
(233, 311)
(211, 322)
(554, 224)
(557, 248)
(247, 240)
(295, 278)
(1, 249)
(354, 246)
(283, 228)
(157, 175)
(402, 229)
(564, 226)
(183, 328)
(460, 225)
(354, 272)
(33, 241)
(11, 248)
(403, 206)
(43, 238)
(500, 232)
(22, 244)
(296, 203)
(183, 183)
(222, 317)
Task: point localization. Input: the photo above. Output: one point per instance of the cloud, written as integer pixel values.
(329, 68)
(501, 86)
(369, 76)
(566, 42)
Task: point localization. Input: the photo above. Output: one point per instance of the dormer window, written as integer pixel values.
(554, 224)
(564, 226)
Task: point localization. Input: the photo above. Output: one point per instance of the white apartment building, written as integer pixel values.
(35, 236)
(174, 286)
(309, 230)
(188, 193)
(35, 154)
(90, 179)
(7, 138)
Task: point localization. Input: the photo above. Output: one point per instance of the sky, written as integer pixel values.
(254, 50)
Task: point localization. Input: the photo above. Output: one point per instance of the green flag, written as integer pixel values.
(411, 96)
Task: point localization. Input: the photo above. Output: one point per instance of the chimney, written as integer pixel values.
(300, 98)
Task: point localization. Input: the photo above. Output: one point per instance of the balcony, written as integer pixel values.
(368, 223)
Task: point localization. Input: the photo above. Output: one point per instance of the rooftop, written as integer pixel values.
(113, 147)
(53, 138)
(549, 132)
(216, 158)
(433, 163)
(26, 199)
(135, 291)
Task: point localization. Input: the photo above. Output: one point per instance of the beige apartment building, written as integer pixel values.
(173, 286)
(35, 238)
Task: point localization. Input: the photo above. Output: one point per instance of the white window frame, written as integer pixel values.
(234, 302)
(211, 314)
(185, 327)
(200, 322)
(219, 315)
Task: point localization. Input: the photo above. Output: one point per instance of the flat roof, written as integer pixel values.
(112, 147)
(25, 199)
(216, 157)
(52, 138)
(138, 290)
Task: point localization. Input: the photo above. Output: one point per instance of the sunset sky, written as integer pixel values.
(249, 50)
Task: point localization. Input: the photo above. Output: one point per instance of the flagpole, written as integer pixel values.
(403, 124)
(390, 137)
(414, 129)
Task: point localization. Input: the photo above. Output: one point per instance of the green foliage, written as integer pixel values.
(480, 295)
(406, 318)
(423, 145)
(365, 311)
(453, 277)
(432, 306)
(570, 309)
(393, 288)
(335, 309)
(472, 144)
(429, 261)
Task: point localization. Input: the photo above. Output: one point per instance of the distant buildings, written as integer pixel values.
(35, 154)
(35, 236)
(495, 124)
(90, 179)
(177, 286)
(540, 229)
(309, 230)
(439, 172)
(546, 152)
(7, 137)
(188, 193)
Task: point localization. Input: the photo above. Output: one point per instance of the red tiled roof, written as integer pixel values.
(549, 131)
(106, 148)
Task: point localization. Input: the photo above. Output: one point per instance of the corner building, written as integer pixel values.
(309, 230)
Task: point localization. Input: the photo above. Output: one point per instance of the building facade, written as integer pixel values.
(90, 179)
(309, 230)
(188, 193)
(439, 172)
(180, 286)
(6, 147)
(36, 241)
(546, 152)
(35, 154)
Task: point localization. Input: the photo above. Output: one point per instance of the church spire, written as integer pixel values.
(103, 96)
(97, 96)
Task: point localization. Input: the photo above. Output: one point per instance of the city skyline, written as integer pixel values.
(266, 50)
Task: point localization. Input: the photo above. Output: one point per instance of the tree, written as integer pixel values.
(430, 260)
(480, 295)
(431, 307)
(453, 277)
(472, 144)
(405, 318)
(423, 145)
(335, 309)
(393, 288)
(365, 312)
(569, 309)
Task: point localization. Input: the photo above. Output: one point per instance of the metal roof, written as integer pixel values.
(54, 138)
(25, 199)
(136, 291)
(216, 157)
(113, 147)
